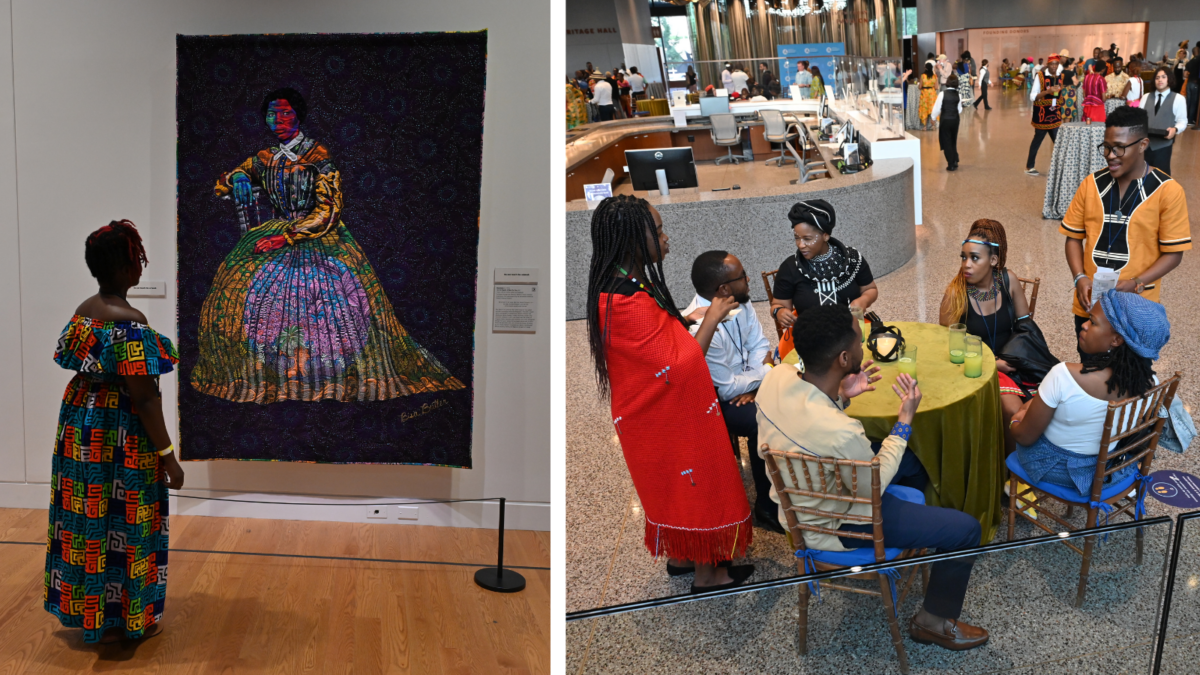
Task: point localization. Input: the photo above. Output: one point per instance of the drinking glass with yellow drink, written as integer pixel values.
(860, 316)
(908, 360)
(958, 334)
(973, 356)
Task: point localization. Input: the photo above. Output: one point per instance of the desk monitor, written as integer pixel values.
(712, 105)
(678, 163)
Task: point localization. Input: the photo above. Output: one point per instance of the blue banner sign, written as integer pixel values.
(818, 54)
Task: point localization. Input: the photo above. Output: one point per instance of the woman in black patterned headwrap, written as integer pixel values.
(823, 271)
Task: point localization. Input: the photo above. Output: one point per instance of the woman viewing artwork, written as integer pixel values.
(106, 564)
(296, 312)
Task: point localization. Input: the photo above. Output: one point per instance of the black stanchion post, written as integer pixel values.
(497, 578)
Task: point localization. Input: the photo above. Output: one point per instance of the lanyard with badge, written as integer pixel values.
(738, 342)
(1119, 210)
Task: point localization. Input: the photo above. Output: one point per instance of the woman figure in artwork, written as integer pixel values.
(296, 312)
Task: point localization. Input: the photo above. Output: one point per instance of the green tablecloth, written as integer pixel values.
(958, 432)
(654, 106)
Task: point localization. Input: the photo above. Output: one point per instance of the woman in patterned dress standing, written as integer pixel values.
(1069, 97)
(576, 107)
(106, 561)
(929, 88)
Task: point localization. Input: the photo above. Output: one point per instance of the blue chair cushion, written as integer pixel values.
(1071, 494)
(866, 556)
(906, 493)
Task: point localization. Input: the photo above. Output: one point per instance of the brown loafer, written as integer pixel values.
(952, 634)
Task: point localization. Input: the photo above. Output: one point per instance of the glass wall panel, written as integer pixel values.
(1181, 647)
(749, 31)
(1022, 592)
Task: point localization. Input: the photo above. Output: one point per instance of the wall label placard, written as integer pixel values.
(515, 300)
(149, 289)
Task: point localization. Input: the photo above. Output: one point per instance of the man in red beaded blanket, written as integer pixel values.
(665, 410)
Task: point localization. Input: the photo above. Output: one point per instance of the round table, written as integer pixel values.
(1075, 156)
(958, 431)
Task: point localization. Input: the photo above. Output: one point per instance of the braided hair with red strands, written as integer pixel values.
(955, 302)
(112, 248)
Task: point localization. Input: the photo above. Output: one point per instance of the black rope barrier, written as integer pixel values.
(304, 556)
(496, 579)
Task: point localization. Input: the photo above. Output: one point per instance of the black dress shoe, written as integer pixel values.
(677, 571)
(768, 520)
(739, 574)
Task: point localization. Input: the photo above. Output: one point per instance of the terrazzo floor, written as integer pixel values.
(1016, 595)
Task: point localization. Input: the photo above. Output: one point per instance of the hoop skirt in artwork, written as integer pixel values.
(106, 559)
(296, 312)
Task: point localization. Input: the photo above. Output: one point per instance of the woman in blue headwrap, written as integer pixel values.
(1058, 432)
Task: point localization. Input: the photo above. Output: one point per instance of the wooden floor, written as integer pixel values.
(234, 614)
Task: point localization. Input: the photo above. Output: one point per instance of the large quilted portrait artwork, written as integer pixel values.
(328, 215)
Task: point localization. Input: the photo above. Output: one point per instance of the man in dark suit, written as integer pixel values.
(765, 77)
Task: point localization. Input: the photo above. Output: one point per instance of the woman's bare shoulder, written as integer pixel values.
(97, 308)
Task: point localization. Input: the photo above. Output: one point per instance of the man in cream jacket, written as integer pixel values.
(804, 412)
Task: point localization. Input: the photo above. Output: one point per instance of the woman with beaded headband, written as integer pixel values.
(822, 270)
(981, 296)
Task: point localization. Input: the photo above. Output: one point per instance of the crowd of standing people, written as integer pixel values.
(1062, 90)
(594, 96)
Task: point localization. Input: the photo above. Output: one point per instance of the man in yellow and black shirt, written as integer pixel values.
(1130, 217)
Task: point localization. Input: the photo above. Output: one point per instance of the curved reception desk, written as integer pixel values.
(875, 214)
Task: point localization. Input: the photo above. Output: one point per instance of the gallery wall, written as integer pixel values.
(87, 134)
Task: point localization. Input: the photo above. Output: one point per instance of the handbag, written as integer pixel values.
(1026, 350)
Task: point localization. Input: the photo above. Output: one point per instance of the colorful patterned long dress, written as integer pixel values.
(1069, 98)
(307, 321)
(576, 107)
(966, 90)
(929, 89)
(106, 560)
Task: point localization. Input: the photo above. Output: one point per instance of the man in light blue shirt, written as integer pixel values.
(804, 79)
(738, 356)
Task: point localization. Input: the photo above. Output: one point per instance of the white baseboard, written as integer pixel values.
(517, 515)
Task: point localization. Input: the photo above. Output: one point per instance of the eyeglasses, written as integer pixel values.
(1117, 150)
(745, 275)
(808, 241)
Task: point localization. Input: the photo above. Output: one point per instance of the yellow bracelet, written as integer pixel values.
(168, 450)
